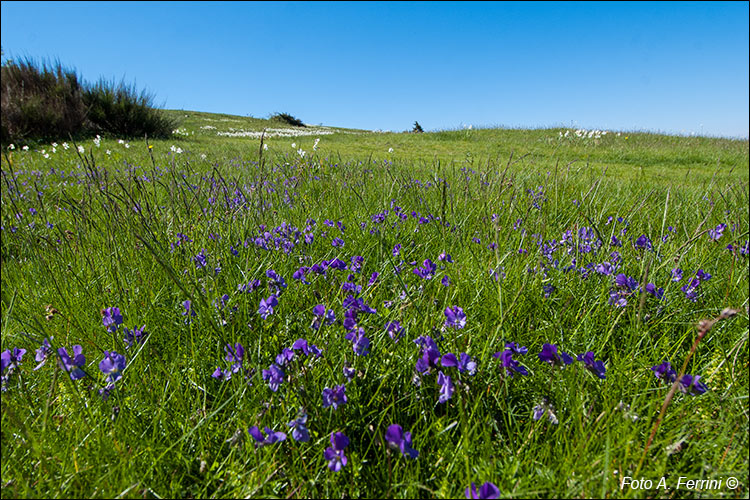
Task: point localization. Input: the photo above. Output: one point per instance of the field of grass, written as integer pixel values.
(329, 282)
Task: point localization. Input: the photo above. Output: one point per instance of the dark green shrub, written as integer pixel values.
(47, 102)
(119, 109)
(287, 119)
(40, 102)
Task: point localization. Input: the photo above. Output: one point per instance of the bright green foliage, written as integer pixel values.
(171, 430)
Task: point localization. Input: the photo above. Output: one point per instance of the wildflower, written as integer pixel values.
(446, 387)
(188, 308)
(549, 355)
(274, 376)
(487, 490)
(337, 242)
(455, 317)
(511, 365)
(464, 362)
(112, 366)
(517, 349)
(266, 306)
(334, 397)
(270, 438)
(690, 384)
(395, 330)
(201, 260)
(715, 234)
(664, 372)
(80, 149)
(390, 150)
(284, 357)
(73, 366)
(595, 367)
(643, 243)
(299, 428)
(430, 354)
(111, 318)
(9, 361)
(400, 440)
(446, 281)
(335, 453)
(41, 354)
(427, 271)
(307, 349)
(360, 343)
(234, 354)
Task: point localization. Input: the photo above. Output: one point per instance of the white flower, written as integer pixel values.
(108, 152)
(294, 145)
(46, 155)
(80, 149)
(127, 145)
(120, 141)
(301, 153)
(65, 145)
(25, 148)
(54, 144)
(265, 147)
(11, 146)
(203, 156)
(97, 140)
(390, 150)
(54, 150)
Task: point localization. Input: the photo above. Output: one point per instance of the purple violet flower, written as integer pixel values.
(274, 376)
(455, 317)
(266, 306)
(335, 453)
(446, 387)
(511, 365)
(664, 372)
(690, 384)
(42, 353)
(73, 365)
(400, 440)
(549, 355)
(334, 397)
(112, 366)
(487, 490)
(111, 318)
(270, 438)
(299, 428)
(595, 367)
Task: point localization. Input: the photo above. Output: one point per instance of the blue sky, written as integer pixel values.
(671, 67)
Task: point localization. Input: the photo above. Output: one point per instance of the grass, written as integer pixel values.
(170, 429)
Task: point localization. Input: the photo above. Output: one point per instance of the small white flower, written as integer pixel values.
(390, 150)
(54, 144)
(97, 140)
(65, 145)
(203, 156)
(315, 146)
(80, 149)
(265, 147)
(54, 150)
(46, 155)
(294, 145)
(108, 152)
(173, 148)
(120, 141)
(301, 153)
(11, 146)
(127, 145)
(25, 148)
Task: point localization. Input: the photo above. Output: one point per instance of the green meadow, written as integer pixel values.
(508, 297)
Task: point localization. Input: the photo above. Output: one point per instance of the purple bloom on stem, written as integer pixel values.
(188, 305)
(373, 278)
(400, 440)
(266, 306)
(201, 260)
(274, 376)
(111, 318)
(397, 249)
(595, 367)
(643, 243)
(455, 317)
(517, 349)
(284, 357)
(299, 428)
(487, 490)
(335, 453)
(664, 372)
(549, 355)
(334, 397)
(446, 387)
(73, 365)
(715, 234)
(630, 284)
(427, 271)
(604, 268)
(270, 438)
(10, 360)
(446, 281)
(112, 366)
(41, 354)
(656, 292)
(307, 349)
(394, 329)
(676, 274)
(135, 335)
(360, 343)
(511, 365)
(690, 384)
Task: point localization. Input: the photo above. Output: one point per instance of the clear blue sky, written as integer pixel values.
(670, 67)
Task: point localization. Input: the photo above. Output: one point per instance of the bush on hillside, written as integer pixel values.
(40, 102)
(120, 110)
(287, 119)
(47, 102)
